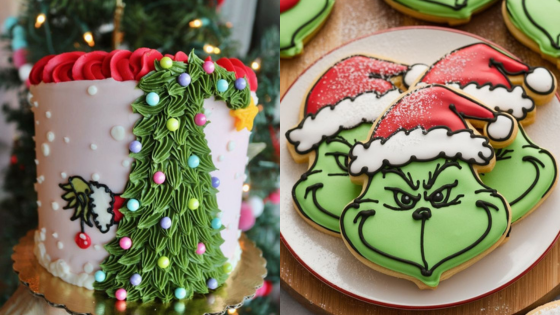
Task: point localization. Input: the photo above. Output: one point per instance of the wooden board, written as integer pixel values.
(353, 19)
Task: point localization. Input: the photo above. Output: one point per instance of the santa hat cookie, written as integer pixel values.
(428, 123)
(353, 91)
(490, 75)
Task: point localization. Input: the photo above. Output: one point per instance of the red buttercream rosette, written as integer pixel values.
(121, 65)
(241, 71)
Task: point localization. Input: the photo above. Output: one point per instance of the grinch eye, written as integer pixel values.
(403, 200)
(341, 160)
(440, 197)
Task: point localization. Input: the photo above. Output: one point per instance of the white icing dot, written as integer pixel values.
(118, 133)
(237, 175)
(231, 145)
(37, 122)
(97, 247)
(93, 146)
(48, 114)
(60, 245)
(35, 104)
(82, 236)
(38, 203)
(40, 179)
(221, 158)
(66, 139)
(207, 112)
(43, 230)
(46, 149)
(126, 163)
(63, 175)
(55, 206)
(220, 214)
(92, 90)
(95, 176)
(50, 136)
(36, 162)
(88, 268)
(55, 235)
(29, 98)
(42, 236)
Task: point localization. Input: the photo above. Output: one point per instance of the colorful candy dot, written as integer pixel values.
(165, 223)
(133, 205)
(166, 63)
(193, 204)
(100, 276)
(180, 293)
(184, 79)
(200, 249)
(125, 243)
(136, 279)
(212, 283)
(216, 223)
(159, 177)
(172, 124)
(193, 161)
(222, 85)
(135, 146)
(163, 262)
(215, 182)
(240, 84)
(200, 119)
(208, 67)
(120, 294)
(152, 99)
(228, 268)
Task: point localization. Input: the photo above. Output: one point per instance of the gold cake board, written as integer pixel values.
(241, 285)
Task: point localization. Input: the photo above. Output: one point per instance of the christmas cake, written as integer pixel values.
(140, 166)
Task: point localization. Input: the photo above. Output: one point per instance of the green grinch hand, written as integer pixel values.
(532, 169)
(325, 189)
(424, 219)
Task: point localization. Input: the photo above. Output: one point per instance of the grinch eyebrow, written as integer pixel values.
(407, 178)
(439, 168)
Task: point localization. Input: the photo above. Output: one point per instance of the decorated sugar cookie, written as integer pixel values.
(424, 214)
(452, 12)
(508, 85)
(535, 24)
(338, 110)
(299, 21)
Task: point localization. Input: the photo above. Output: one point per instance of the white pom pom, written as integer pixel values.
(500, 129)
(540, 80)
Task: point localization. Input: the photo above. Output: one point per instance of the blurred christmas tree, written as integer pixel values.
(45, 27)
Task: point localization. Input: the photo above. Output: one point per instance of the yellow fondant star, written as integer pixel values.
(244, 117)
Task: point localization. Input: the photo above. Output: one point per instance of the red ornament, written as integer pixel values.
(274, 197)
(264, 290)
(120, 306)
(13, 159)
(119, 203)
(82, 240)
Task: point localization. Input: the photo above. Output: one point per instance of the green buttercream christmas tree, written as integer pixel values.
(169, 247)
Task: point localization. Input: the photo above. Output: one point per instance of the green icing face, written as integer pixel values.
(455, 9)
(531, 168)
(300, 22)
(425, 218)
(325, 189)
(539, 21)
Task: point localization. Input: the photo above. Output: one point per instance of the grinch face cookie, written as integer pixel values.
(452, 12)
(535, 24)
(507, 85)
(424, 214)
(299, 21)
(337, 112)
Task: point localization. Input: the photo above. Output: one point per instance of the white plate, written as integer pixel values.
(327, 257)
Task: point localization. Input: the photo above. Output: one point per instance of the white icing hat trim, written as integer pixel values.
(500, 98)
(413, 73)
(346, 114)
(418, 144)
(501, 128)
(540, 80)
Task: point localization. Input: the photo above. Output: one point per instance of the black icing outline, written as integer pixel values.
(292, 41)
(555, 45)
(423, 269)
(499, 66)
(456, 7)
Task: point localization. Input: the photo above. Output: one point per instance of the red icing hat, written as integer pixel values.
(428, 123)
(241, 71)
(350, 78)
